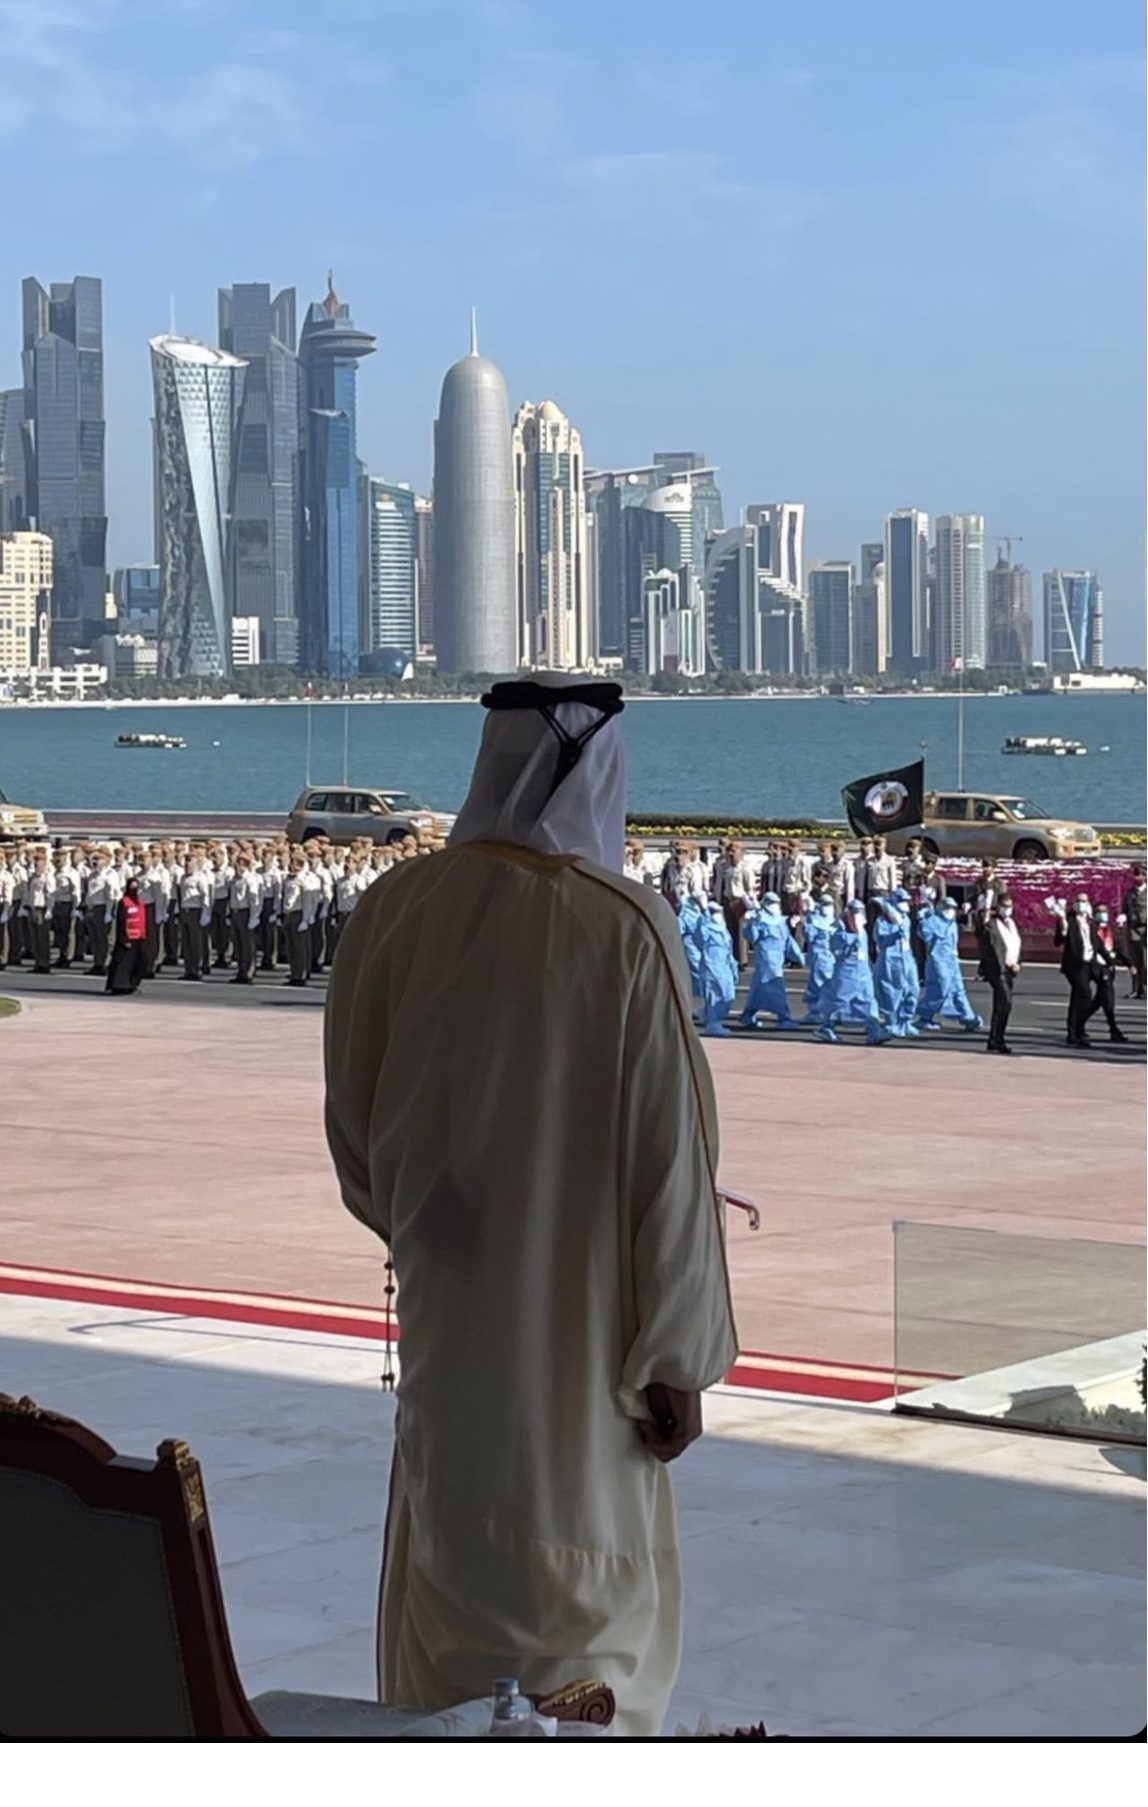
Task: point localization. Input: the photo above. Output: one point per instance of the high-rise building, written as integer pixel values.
(246, 636)
(14, 513)
(666, 635)
(264, 573)
(756, 621)
(729, 589)
(475, 613)
(831, 593)
(552, 581)
(25, 602)
(1073, 621)
(330, 348)
(136, 594)
(64, 450)
(424, 571)
(780, 529)
(1008, 615)
(691, 468)
(870, 613)
(393, 608)
(959, 638)
(906, 590)
(198, 394)
(627, 544)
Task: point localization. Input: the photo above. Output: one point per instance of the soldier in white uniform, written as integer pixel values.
(66, 904)
(245, 904)
(296, 917)
(37, 911)
(271, 890)
(221, 877)
(195, 915)
(7, 908)
(101, 896)
(318, 881)
(18, 866)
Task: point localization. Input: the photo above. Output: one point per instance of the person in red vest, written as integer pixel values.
(129, 958)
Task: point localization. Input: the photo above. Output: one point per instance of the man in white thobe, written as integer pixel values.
(518, 1105)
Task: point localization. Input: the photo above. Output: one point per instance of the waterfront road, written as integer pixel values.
(1037, 1026)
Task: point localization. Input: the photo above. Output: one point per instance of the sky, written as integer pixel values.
(862, 256)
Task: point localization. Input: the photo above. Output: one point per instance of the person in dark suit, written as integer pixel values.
(1104, 963)
(1134, 909)
(1001, 963)
(1074, 934)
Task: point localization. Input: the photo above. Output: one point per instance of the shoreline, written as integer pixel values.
(360, 702)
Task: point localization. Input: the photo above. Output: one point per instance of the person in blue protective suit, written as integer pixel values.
(849, 997)
(944, 991)
(819, 926)
(895, 979)
(689, 922)
(769, 935)
(718, 972)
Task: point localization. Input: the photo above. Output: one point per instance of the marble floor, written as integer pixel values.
(848, 1573)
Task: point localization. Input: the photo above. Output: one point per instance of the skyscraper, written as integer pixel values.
(625, 541)
(475, 619)
(64, 450)
(1073, 621)
(1008, 613)
(136, 592)
(198, 394)
(729, 598)
(14, 511)
(871, 614)
(959, 594)
(831, 590)
(393, 570)
(666, 635)
(330, 347)
(264, 574)
(552, 577)
(906, 590)
(780, 529)
(424, 570)
(755, 620)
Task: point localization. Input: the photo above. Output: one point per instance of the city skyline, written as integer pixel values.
(813, 344)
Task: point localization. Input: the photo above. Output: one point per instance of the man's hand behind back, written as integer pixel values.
(676, 1421)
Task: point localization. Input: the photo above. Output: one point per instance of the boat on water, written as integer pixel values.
(1051, 745)
(169, 742)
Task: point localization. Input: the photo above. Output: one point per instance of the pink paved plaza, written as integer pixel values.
(184, 1144)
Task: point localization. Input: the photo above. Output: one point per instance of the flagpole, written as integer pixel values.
(961, 691)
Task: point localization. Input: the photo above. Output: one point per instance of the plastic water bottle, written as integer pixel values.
(512, 1715)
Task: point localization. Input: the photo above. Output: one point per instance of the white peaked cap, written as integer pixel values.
(510, 800)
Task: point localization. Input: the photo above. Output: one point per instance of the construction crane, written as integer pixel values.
(1008, 540)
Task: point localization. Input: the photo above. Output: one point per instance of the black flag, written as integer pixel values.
(886, 801)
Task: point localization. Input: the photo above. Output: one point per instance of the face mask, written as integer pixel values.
(1006, 913)
(1102, 916)
(1081, 908)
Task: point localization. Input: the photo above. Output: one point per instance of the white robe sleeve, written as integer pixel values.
(354, 1039)
(685, 1335)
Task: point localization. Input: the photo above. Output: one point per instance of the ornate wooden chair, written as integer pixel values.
(112, 1622)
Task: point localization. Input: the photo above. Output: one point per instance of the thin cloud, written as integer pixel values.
(689, 93)
(684, 190)
(1069, 148)
(65, 66)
